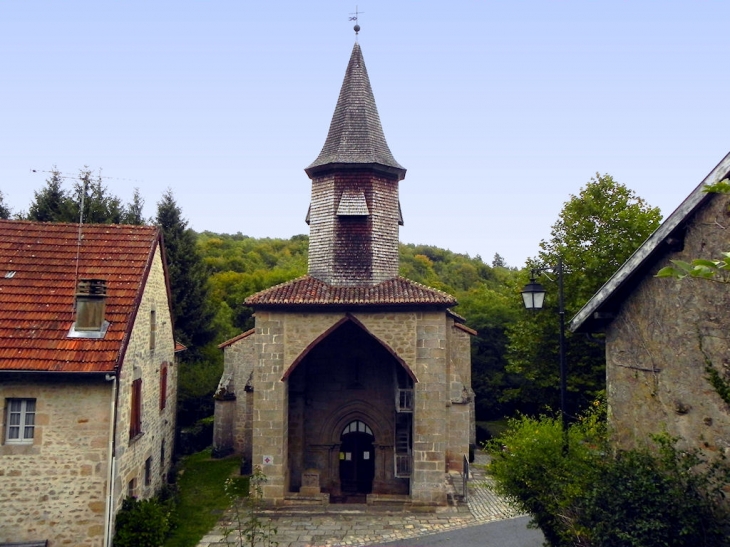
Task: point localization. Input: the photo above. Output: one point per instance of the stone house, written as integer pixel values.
(662, 334)
(355, 384)
(87, 377)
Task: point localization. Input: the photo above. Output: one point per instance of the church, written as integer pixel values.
(355, 384)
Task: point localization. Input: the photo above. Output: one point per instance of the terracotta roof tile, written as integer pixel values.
(36, 302)
(309, 291)
(236, 338)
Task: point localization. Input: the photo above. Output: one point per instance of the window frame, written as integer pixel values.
(135, 416)
(163, 386)
(23, 424)
(153, 329)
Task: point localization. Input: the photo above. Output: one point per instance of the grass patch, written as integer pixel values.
(202, 499)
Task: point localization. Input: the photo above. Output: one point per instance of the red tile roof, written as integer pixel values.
(36, 301)
(309, 291)
(236, 339)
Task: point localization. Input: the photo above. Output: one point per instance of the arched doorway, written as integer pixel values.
(357, 458)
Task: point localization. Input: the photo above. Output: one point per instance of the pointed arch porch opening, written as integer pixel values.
(350, 406)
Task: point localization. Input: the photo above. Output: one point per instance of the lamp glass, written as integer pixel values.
(533, 296)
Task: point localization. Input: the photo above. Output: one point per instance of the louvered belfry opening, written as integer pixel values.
(90, 304)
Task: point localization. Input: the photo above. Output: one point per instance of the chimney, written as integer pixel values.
(90, 304)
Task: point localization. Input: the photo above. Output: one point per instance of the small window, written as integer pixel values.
(162, 457)
(20, 421)
(153, 328)
(135, 418)
(148, 471)
(132, 488)
(163, 386)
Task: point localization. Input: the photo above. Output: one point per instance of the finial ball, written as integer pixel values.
(356, 28)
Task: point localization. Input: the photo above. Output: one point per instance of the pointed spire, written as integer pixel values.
(356, 137)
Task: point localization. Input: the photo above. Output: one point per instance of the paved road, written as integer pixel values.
(501, 533)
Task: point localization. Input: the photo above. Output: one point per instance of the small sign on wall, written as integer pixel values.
(268, 460)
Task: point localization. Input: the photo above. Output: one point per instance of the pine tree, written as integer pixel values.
(4, 209)
(100, 207)
(51, 204)
(188, 277)
(133, 211)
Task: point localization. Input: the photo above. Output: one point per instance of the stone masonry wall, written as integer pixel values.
(233, 417)
(462, 427)
(420, 339)
(55, 488)
(658, 345)
(158, 425)
(430, 436)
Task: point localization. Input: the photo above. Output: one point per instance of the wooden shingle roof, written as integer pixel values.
(309, 291)
(38, 273)
(356, 136)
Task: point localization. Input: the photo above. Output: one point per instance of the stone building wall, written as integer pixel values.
(419, 338)
(658, 344)
(234, 400)
(158, 425)
(55, 488)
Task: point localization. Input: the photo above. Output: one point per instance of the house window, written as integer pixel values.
(21, 421)
(132, 488)
(163, 386)
(148, 471)
(135, 418)
(162, 457)
(153, 328)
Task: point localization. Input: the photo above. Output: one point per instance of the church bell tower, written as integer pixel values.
(354, 213)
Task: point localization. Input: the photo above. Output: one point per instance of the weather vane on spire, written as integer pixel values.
(353, 17)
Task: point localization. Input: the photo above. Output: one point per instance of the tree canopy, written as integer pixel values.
(5, 211)
(595, 233)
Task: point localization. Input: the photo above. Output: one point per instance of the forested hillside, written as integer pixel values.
(515, 353)
(488, 296)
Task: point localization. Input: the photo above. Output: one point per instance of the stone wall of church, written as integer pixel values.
(462, 429)
(354, 250)
(422, 339)
(662, 340)
(234, 399)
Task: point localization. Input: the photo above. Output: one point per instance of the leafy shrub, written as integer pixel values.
(646, 499)
(142, 523)
(655, 496)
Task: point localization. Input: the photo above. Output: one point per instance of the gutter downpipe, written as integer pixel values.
(112, 462)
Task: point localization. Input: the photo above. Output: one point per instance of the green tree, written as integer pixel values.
(5, 211)
(596, 232)
(51, 204)
(99, 206)
(188, 276)
(132, 213)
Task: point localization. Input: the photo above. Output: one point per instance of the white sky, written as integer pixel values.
(499, 110)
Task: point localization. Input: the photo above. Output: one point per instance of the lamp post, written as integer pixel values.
(533, 296)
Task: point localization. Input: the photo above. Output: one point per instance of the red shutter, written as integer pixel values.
(135, 420)
(163, 386)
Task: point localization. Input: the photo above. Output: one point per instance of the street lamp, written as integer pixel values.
(533, 296)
